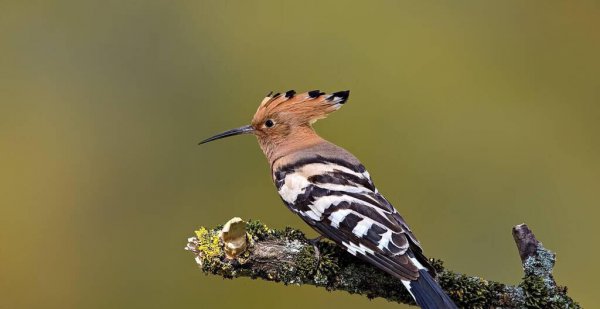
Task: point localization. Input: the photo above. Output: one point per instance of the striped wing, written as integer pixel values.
(339, 200)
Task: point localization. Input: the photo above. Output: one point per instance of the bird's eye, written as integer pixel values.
(269, 123)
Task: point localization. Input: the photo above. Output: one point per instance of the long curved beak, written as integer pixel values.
(237, 131)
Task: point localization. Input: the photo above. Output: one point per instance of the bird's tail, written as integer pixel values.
(427, 293)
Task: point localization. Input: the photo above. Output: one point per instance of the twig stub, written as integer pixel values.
(526, 242)
(234, 238)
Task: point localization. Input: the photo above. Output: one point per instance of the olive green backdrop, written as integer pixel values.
(471, 117)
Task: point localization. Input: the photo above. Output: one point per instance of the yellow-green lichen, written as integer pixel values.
(535, 292)
(208, 243)
(466, 291)
(210, 252)
(259, 231)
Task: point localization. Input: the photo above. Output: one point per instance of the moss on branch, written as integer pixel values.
(287, 256)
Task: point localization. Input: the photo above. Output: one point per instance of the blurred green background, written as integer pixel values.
(471, 117)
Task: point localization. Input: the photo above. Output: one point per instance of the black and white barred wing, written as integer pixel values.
(339, 200)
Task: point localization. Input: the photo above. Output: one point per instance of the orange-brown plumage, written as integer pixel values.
(292, 116)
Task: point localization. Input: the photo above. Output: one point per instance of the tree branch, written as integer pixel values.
(241, 249)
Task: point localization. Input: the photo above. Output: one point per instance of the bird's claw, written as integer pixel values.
(314, 243)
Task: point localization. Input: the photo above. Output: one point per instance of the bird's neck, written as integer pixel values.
(280, 148)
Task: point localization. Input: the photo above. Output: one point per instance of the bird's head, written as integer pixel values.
(284, 121)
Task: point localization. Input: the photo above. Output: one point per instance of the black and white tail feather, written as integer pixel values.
(427, 293)
(330, 189)
(425, 290)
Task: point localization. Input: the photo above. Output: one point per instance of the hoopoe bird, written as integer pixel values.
(332, 191)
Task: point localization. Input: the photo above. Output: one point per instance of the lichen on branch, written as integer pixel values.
(287, 256)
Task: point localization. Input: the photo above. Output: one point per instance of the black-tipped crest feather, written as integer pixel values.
(315, 93)
(343, 95)
(290, 93)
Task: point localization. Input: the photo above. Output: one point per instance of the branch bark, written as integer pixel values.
(287, 256)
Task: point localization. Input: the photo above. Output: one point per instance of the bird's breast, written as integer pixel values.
(311, 186)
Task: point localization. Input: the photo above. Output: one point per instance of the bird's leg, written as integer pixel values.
(314, 243)
(316, 239)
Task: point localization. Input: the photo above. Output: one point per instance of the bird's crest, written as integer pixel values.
(302, 108)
